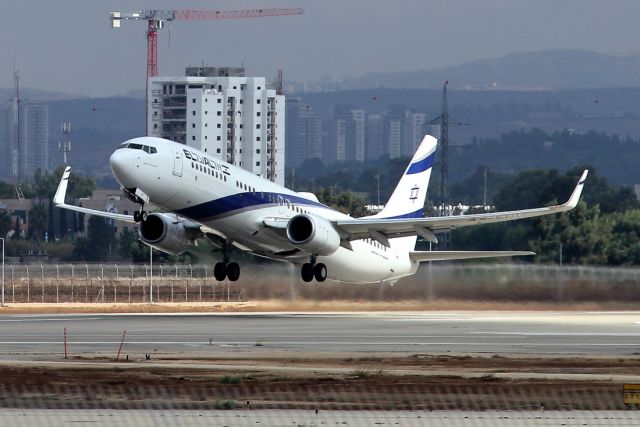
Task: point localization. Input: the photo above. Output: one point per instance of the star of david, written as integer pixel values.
(414, 193)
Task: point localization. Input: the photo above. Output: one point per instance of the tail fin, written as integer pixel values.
(407, 200)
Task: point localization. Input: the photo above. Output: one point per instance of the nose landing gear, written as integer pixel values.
(140, 215)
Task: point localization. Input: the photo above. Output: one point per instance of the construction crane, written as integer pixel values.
(156, 19)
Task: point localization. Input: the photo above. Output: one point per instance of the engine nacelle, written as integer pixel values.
(313, 234)
(164, 233)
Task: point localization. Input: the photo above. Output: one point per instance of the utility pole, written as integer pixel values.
(484, 197)
(444, 146)
(15, 152)
(445, 240)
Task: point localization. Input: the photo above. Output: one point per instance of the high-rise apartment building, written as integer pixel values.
(32, 151)
(347, 139)
(414, 130)
(303, 133)
(34, 142)
(375, 137)
(222, 112)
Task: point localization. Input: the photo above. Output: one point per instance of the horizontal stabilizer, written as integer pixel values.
(423, 256)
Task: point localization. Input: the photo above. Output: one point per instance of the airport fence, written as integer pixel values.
(120, 283)
(114, 283)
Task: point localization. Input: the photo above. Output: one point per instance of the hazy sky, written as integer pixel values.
(68, 45)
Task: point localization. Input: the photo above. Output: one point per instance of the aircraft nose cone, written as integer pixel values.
(122, 166)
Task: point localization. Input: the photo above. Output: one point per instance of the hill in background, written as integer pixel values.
(547, 70)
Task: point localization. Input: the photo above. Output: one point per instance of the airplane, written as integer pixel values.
(200, 196)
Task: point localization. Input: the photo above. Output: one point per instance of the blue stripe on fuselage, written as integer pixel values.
(240, 201)
(421, 165)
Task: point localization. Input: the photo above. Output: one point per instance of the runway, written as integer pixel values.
(286, 418)
(531, 333)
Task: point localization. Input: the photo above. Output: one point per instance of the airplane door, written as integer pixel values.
(177, 162)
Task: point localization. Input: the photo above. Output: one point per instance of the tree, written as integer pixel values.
(98, 244)
(38, 221)
(583, 232)
(345, 202)
(5, 223)
(132, 248)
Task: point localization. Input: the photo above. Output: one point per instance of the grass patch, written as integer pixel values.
(362, 374)
(225, 404)
(230, 379)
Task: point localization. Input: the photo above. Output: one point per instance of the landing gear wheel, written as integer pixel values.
(307, 272)
(220, 271)
(320, 272)
(233, 271)
(140, 215)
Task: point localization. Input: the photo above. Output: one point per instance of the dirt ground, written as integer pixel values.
(304, 306)
(414, 382)
(374, 381)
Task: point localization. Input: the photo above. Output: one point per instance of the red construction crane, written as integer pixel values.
(156, 19)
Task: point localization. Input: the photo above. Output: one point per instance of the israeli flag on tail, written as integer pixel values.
(407, 200)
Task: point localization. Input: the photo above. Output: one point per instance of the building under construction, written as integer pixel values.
(222, 112)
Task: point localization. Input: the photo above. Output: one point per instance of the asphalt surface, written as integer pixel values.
(544, 333)
(287, 418)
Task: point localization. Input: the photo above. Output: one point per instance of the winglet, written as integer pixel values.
(575, 196)
(61, 192)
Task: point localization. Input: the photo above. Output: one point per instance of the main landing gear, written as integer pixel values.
(229, 270)
(226, 269)
(311, 270)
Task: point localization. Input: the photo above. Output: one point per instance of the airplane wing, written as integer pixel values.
(382, 229)
(423, 256)
(61, 192)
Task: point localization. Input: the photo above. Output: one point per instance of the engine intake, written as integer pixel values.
(164, 233)
(313, 234)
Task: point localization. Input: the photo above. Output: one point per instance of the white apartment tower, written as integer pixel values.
(415, 124)
(223, 113)
(347, 135)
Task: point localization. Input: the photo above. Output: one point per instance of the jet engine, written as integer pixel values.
(164, 232)
(313, 234)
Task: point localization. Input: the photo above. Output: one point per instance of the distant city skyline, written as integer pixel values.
(68, 45)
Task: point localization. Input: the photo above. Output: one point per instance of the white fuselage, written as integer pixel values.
(235, 204)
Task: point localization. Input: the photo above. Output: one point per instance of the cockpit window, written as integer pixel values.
(146, 148)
